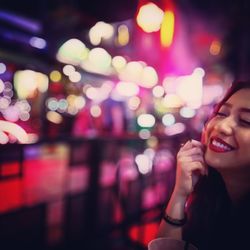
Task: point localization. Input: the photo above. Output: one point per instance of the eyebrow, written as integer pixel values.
(247, 110)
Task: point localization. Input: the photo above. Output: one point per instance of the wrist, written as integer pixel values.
(176, 206)
(175, 222)
(180, 196)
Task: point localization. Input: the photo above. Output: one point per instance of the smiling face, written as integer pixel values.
(227, 134)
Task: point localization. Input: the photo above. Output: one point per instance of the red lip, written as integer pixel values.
(219, 146)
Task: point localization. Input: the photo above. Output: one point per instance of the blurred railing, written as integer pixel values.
(118, 196)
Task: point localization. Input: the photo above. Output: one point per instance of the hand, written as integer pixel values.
(190, 165)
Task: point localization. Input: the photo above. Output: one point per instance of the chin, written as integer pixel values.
(215, 162)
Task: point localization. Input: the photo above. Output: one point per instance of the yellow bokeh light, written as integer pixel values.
(55, 76)
(167, 29)
(54, 117)
(123, 35)
(215, 48)
(152, 142)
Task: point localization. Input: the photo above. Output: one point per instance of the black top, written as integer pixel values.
(213, 223)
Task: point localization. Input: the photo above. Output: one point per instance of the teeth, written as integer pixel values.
(220, 145)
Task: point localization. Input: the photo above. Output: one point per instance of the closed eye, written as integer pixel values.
(220, 114)
(245, 122)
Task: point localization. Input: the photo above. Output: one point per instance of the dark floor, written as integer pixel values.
(63, 202)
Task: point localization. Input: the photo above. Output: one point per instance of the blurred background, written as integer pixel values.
(95, 99)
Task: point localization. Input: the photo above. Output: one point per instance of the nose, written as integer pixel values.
(226, 126)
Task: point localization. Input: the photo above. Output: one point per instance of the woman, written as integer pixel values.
(210, 203)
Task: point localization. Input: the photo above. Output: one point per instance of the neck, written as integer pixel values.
(237, 184)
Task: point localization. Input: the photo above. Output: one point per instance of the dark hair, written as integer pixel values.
(236, 86)
(210, 201)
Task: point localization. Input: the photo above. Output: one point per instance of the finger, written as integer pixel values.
(192, 151)
(195, 142)
(191, 144)
(187, 145)
(198, 166)
(188, 163)
(193, 158)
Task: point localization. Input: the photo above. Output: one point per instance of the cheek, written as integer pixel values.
(244, 140)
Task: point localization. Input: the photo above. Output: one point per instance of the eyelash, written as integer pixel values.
(242, 121)
(220, 114)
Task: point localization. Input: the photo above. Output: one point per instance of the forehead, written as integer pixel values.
(241, 98)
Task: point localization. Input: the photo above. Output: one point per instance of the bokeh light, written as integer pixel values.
(144, 163)
(119, 62)
(55, 76)
(215, 48)
(144, 134)
(134, 102)
(123, 35)
(158, 91)
(54, 117)
(99, 31)
(15, 130)
(150, 17)
(2, 68)
(68, 69)
(95, 111)
(2, 86)
(146, 120)
(38, 42)
(26, 82)
(72, 51)
(167, 28)
(127, 89)
(187, 112)
(175, 129)
(168, 119)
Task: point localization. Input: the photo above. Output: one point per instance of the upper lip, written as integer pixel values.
(222, 142)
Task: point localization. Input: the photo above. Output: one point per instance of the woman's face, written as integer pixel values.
(227, 134)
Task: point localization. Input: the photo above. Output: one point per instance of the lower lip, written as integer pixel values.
(217, 149)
